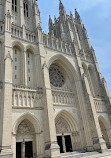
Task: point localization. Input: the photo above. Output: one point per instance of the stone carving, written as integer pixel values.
(8, 56)
(56, 76)
(25, 128)
(61, 126)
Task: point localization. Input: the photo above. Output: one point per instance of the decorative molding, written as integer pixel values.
(8, 56)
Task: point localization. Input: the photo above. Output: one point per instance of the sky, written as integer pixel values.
(96, 16)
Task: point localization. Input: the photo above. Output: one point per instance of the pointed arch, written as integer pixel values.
(70, 120)
(18, 44)
(102, 119)
(65, 62)
(105, 128)
(30, 48)
(84, 66)
(31, 118)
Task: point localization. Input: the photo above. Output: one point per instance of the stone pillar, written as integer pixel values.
(38, 82)
(1, 90)
(100, 142)
(109, 135)
(6, 113)
(25, 68)
(51, 146)
(89, 143)
(63, 143)
(38, 144)
(22, 18)
(14, 145)
(23, 149)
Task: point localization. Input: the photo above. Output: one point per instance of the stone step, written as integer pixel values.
(106, 154)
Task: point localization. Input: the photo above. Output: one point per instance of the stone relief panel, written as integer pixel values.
(61, 126)
(25, 130)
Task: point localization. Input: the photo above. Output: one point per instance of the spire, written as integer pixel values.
(50, 20)
(77, 16)
(71, 15)
(61, 9)
(60, 5)
(55, 18)
(50, 25)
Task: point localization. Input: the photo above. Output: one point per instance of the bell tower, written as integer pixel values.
(23, 13)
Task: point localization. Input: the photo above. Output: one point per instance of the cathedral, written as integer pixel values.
(54, 102)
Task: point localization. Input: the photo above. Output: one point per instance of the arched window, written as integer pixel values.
(14, 5)
(26, 9)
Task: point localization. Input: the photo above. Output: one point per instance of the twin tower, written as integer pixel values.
(53, 98)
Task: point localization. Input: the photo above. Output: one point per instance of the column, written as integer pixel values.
(63, 143)
(14, 145)
(101, 142)
(38, 78)
(25, 68)
(38, 144)
(23, 149)
(51, 146)
(6, 106)
(86, 126)
(22, 18)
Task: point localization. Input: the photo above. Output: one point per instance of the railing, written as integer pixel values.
(63, 97)
(17, 31)
(30, 36)
(100, 105)
(23, 97)
(57, 44)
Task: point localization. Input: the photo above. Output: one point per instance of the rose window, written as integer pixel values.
(56, 77)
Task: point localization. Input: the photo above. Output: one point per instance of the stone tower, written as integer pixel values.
(53, 98)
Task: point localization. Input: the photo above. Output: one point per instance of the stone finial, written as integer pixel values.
(50, 20)
(55, 18)
(77, 16)
(61, 8)
(71, 15)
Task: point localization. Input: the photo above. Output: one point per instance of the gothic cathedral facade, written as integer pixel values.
(53, 98)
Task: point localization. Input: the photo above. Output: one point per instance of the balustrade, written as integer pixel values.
(23, 97)
(57, 44)
(17, 31)
(63, 97)
(100, 105)
(30, 36)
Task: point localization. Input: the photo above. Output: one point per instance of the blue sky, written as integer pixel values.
(96, 16)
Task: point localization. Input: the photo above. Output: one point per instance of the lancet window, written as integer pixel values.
(26, 9)
(14, 5)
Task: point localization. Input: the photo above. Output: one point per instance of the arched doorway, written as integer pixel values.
(26, 137)
(104, 131)
(25, 140)
(68, 136)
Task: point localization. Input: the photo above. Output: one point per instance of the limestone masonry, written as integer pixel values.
(54, 101)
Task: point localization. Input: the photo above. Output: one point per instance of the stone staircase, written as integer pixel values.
(106, 154)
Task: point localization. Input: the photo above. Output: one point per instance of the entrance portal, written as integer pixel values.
(68, 143)
(27, 147)
(25, 140)
(28, 150)
(18, 150)
(104, 133)
(59, 140)
(64, 143)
